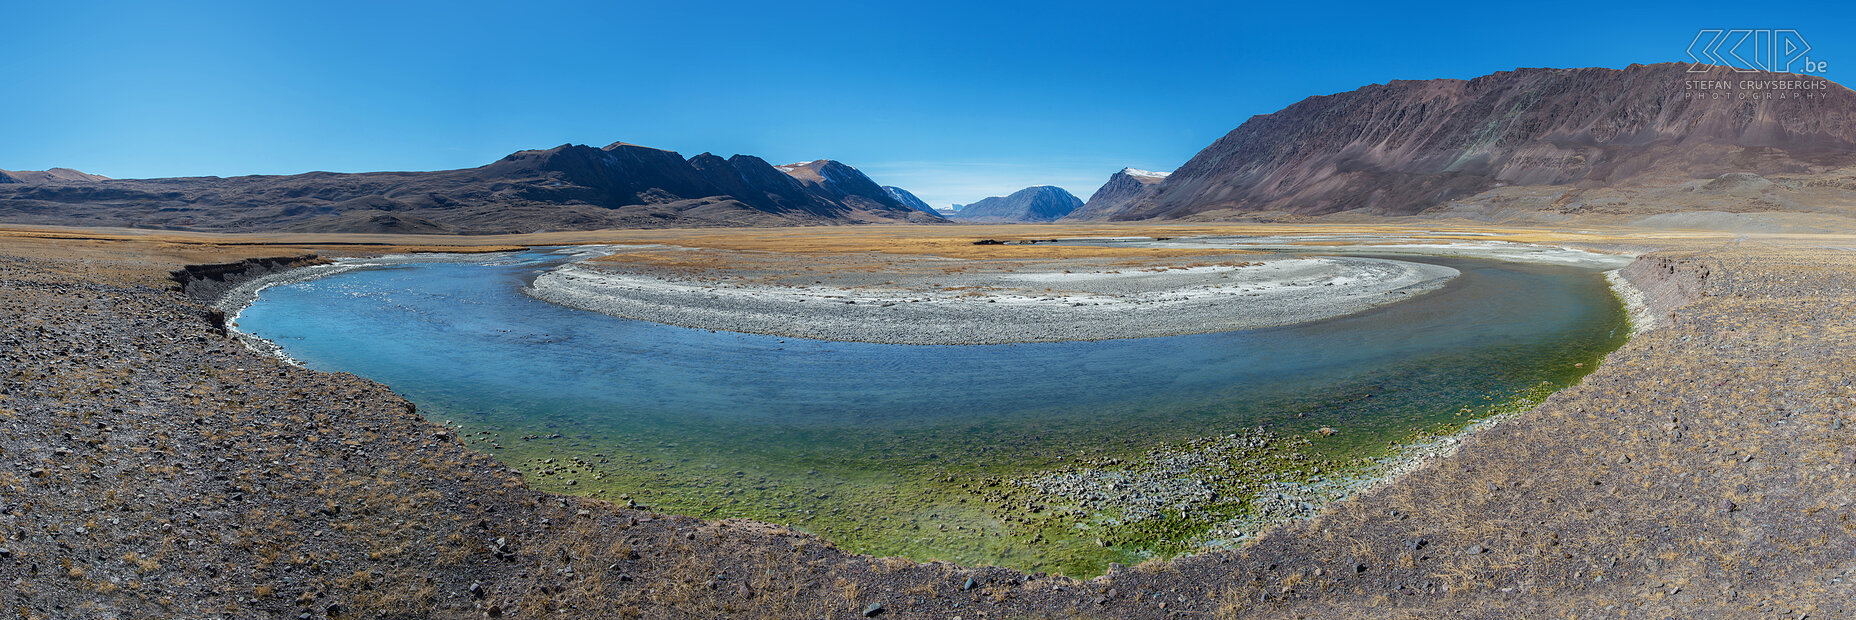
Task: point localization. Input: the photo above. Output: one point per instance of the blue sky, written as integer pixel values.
(955, 101)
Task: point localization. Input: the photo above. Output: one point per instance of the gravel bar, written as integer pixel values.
(999, 308)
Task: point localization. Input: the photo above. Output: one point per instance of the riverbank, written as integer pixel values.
(893, 445)
(1703, 470)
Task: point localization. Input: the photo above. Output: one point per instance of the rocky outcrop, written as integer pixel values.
(1121, 191)
(1041, 203)
(568, 187)
(1405, 146)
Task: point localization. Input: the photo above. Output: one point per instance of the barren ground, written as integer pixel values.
(151, 467)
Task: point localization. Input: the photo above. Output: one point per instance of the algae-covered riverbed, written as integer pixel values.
(1057, 457)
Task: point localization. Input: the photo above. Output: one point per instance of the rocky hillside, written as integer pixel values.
(569, 187)
(1041, 203)
(909, 200)
(54, 175)
(1122, 189)
(1404, 146)
(835, 183)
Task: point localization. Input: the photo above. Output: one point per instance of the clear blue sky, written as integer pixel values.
(952, 100)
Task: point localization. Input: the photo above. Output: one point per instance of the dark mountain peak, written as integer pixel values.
(540, 157)
(834, 181)
(1044, 192)
(1143, 176)
(752, 181)
(1038, 203)
(566, 157)
(835, 167)
(1406, 145)
(748, 159)
(1122, 190)
(829, 171)
(833, 175)
(807, 170)
(707, 159)
(909, 200)
(627, 146)
(643, 154)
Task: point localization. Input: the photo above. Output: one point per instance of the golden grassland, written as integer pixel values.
(946, 241)
(815, 250)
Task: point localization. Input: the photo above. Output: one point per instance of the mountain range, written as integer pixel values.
(1406, 146)
(1448, 147)
(568, 187)
(1040, 203)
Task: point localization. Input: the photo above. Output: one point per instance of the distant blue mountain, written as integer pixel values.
(1042, 203)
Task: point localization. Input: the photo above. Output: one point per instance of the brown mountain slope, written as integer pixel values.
(1401, 147)
(569, 187)
(1121, 191)
(54, 175)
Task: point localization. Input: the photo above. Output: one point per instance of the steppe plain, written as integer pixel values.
(151, 466)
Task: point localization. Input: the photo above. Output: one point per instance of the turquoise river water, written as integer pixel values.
(882, 448)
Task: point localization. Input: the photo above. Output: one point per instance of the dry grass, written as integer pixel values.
(952, 241)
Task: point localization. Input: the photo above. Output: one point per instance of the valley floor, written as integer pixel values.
(149, 466)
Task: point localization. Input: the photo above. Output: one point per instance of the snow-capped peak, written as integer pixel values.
(1137, 172)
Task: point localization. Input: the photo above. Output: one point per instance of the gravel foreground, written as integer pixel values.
(999, 308)
(149, 466)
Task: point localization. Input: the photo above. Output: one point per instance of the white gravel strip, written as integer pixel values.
(1380, 244)
(1008, 308)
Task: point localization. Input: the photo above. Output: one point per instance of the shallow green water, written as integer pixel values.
(899, 450)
